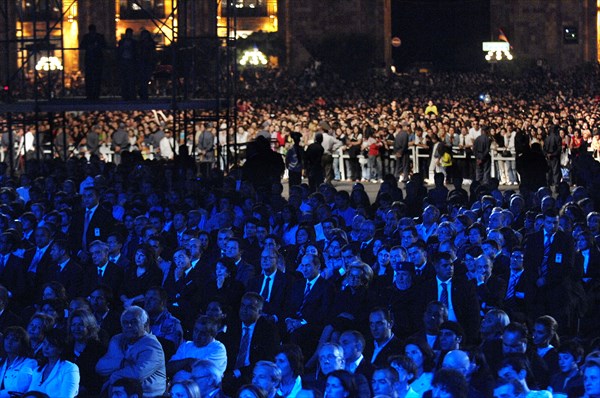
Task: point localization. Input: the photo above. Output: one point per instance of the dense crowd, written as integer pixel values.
(143, 277)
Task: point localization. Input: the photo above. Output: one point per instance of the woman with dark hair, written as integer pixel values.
(54, 290)
(85, 349)
(290, 361)
(340, 384)
(287, 226)
(141, 274)
(56, 309)
(16, 366)
(546, 341)
(37, 328)
(250, 391)
(224, 288)
(423, 357)
(54, 375)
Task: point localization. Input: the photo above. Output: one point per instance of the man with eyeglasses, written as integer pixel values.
(520, 288)
(203, 346)
(271, 284)
(208, 377)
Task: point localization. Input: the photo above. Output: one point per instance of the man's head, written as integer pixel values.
(268, 260)
(310, 266)
(233, 249)
(42, 236)
(267, 376)
(449, 383)
(205, 330)
(381, 323)
(353, 344)
(115, 243)
(182, 259)
(134, 322)
(99, 253)
(450, 336)
(383, 381)
(406, 368)
(126, 388)
(206, 374)
(458, 360)
(100, 299)
(59, 251)
(155, 300)
(397, 255)
(514, 368)
(444, 267)
(435, 314)
(331, 357)
(251, 307)
(417, 254)
(508, 389)
(514, 339)
(89, 198)
(551, 222)
(516, 259)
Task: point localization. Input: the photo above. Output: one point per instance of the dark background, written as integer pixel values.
(441, 34)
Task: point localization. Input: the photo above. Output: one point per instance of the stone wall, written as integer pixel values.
(535, 29)
(304, 23)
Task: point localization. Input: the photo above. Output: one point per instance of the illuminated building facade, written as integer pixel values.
(557, 34)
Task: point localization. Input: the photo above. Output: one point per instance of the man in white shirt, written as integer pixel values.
(203, 346)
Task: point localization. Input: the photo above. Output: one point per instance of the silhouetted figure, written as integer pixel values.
(127, 58)
(93, 44)
(312, 163)
(147, 60)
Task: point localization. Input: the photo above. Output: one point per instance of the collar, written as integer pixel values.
(63, 264)
(103, 268)
(448, 282)
(377, 345)
(313, 281)
(92, 209)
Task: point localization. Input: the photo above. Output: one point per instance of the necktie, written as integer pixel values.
(88, 216)
(35, 261)
(510, 292)
(306, 293)
(444, 295)
(240, 361)
(100, 273)
(266, 289)
(544, 265)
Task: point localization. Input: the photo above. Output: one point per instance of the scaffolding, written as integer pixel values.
(195, 79)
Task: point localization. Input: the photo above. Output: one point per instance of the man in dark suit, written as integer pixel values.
(366, 241)
(252, 339)
(424, 270)
(92, 222)
(244, 271)
(64, 269)
(587, 273)
(520, 289)
(309, 302)
(384, 343)
(102, 271)
(12, 272)
(271, 284)
(402, 153)
(37, 260)
(491, 289)
(459, 295)
(549, 259)
(353, 343)
(7, 317)
(115, 242)
(182, 285)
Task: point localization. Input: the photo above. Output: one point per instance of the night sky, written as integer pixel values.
(445, 33)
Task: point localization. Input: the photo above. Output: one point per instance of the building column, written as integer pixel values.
(8, 44)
